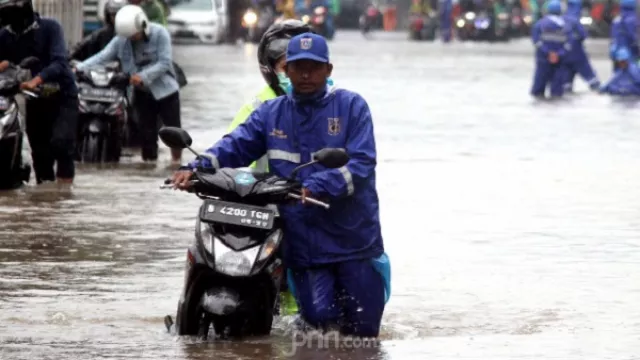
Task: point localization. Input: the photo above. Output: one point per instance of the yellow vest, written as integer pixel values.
(262, 165)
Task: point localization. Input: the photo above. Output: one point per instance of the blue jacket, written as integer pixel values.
(577, 32)
(289, 131)
(151, 59)
(44, 40)
(551, 33)
(624, 82)
(623, 32)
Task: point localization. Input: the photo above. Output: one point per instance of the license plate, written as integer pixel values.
(237, 214)
(185, 33)
(99, 94)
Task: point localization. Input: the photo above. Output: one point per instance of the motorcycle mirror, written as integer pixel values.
(175, 138)
(332, 158)
(30, 62)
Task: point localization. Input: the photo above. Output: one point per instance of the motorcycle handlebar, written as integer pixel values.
(168, 184)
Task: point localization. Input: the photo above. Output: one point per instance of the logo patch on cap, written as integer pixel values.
(305, 43)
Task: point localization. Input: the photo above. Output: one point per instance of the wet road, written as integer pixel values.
(512, 226)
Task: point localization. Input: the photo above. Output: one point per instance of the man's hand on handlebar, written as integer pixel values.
(4, 65)
(31, 84)
(181, 178)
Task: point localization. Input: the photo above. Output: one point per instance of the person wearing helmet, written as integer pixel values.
(551, 37)
(144, 51)
(50, 120)
(335, 257)
(577, 60)
(154, 10)
(624, 31)
(97, 40)
(626, 79)
(271, 59)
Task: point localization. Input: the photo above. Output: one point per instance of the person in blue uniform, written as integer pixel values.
(626, 79)
(551, 38)
(445, 8)
(339, 270)
(624, 31)
(577, 60)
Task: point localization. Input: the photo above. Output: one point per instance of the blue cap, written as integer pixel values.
(308, 46)
(554, 7)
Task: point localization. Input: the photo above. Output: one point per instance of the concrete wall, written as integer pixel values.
(68, 12)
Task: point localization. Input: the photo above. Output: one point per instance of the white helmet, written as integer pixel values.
(130, 20)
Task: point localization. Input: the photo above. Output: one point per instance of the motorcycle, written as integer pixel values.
(423, 27)
(317, 20)
(14, 171)
(478, 26)
(103, 113)
(369, 19)
(256, 25)
(232, 273)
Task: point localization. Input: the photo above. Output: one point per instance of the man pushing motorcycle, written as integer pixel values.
(340, 273)
(51, 120)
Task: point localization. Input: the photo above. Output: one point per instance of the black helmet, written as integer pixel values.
(111, 9)
(19, 14)
(273, 45)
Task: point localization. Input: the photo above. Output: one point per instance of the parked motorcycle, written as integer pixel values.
(369, 19)
(317, 20)
(479, 26)
(256, 22)
(14, 171)
(103, 113)
(423, 26)
(232, 273)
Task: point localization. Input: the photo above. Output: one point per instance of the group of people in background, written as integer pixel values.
(560, 54)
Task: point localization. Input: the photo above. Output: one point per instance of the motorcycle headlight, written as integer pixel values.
(305, 19)
(586, 20)
(99, 78)
(206, 236)
(267, 250)
(460, 23)
(6, 120)
(250, 18)
(527, 19)
(470, 15)
(231, 262)
(319, 10)
(503, 16)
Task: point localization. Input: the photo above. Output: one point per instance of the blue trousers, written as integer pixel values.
(350, 294)
(445, 29)
(547, 74)
(579, 64)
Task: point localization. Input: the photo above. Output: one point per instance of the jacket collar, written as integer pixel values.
(316, 99)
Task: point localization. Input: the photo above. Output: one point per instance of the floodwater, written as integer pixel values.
(513, 226)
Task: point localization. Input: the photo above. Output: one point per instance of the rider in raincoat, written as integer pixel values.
(271, 57)
(624, 30)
